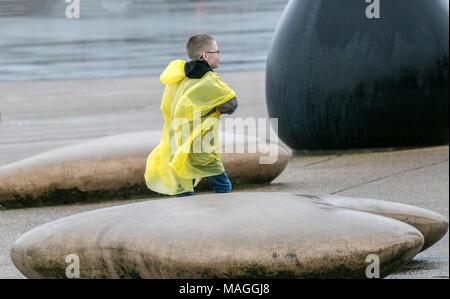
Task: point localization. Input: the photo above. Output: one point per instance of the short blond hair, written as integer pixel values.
(197, 44)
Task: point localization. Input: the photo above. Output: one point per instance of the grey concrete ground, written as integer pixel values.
(37, 116)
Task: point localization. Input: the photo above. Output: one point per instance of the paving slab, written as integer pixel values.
(38, 116)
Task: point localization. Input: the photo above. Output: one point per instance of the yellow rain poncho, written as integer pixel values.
(190, 147)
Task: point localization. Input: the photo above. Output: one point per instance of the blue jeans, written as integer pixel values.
(220, 183)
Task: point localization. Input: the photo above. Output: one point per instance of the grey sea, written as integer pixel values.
(128, 38)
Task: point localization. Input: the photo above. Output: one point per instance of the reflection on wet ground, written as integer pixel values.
(128, 37)
(419, 267)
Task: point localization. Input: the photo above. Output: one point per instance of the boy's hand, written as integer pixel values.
(229, 107)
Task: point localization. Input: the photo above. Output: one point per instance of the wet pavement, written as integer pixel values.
(101, 107)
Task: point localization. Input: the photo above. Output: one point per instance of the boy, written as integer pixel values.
(194, 98)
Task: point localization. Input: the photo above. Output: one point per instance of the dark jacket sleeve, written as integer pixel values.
(229, 107)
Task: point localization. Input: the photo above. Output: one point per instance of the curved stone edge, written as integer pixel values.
(138, 266)
(23, 258)
(432, 225)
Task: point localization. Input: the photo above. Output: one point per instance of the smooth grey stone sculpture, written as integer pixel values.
(233, 235)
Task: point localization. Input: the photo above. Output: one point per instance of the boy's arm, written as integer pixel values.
(229, 107)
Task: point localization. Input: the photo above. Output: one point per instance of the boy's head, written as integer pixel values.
(203, 47)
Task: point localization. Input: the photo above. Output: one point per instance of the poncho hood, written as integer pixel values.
(173, 73)
(197, 69)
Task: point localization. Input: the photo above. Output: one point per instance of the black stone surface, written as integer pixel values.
(336, 79)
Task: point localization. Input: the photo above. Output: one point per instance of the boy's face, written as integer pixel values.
(213, 58)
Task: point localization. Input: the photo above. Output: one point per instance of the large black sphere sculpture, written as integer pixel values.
(337, 79)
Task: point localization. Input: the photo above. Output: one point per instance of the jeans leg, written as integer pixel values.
(220, 183)
(186, 193)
